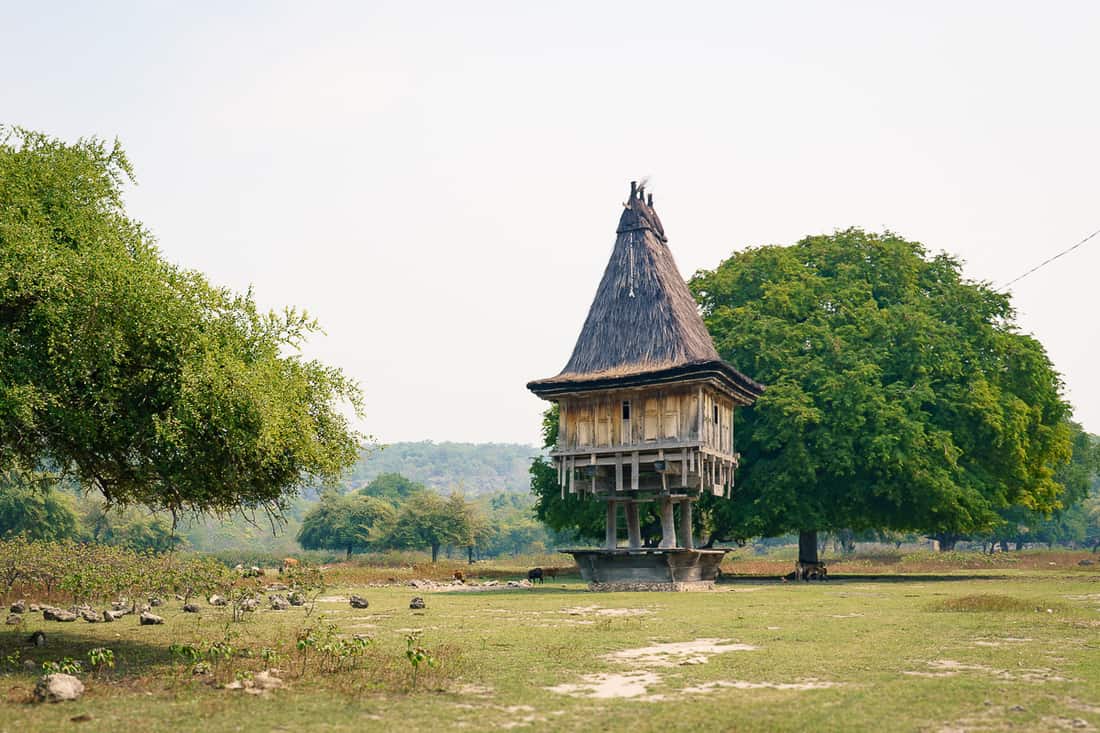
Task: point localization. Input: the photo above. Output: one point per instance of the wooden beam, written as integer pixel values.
(668, 526)
(618, 472)
(633, 525)
(686, 540)
(634, 471)
(612, 526)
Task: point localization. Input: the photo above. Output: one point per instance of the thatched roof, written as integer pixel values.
(643, 326)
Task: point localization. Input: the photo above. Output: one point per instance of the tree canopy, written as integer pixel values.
(900, 395)
(348, 523)
(138, 377)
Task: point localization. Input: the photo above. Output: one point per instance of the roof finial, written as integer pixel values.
(633, 190)
(649, 201)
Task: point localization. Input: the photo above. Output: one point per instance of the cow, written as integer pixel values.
(535, 575)
(459, 576)
(289, 563)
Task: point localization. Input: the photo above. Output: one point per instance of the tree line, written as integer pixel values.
(394, 512)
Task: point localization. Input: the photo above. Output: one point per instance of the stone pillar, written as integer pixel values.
(612, 526)
(633, 525)
(685, 525)
(668, 524)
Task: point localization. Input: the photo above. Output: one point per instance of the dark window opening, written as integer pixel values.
(716, 414)
(626, 409)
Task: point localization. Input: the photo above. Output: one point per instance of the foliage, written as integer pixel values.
(899, 395)
(29, 506)
(429, 520)
(348, 523)
(417, 654)
(138, 377)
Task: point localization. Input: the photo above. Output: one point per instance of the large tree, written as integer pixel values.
(900, 394)
(138, 377)
(349, 523)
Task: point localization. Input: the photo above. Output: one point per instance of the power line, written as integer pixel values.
(1047, 261)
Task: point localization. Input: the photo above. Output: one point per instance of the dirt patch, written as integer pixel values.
(809, 684)
(606, 686)
(677, 653)
(600, 611)
(951, 668)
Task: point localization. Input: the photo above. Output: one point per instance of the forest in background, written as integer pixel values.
(473, 469)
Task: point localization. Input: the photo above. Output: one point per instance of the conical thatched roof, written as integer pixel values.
(643, 326)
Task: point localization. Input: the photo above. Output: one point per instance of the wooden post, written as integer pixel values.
(685, 525)
(618, 472)
(633, 525)
(668, 524)
(612, 526)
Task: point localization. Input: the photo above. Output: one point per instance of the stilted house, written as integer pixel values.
(646, 403)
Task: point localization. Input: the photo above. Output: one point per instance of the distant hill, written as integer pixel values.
(472, 468)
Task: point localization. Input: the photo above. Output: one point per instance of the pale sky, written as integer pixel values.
(439, 183)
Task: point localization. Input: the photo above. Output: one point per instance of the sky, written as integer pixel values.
(439, 183)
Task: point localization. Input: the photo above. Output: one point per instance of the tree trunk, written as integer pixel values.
(435, 551)
(1004, 545)
(470, 555)
(807, 546)
(348, 555)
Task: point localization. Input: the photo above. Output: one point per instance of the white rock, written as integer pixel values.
(58, 687)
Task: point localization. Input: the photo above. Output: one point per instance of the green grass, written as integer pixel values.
(898, 654)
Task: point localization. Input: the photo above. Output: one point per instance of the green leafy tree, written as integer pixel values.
(900, 395)
(140, 378)
(393, 487)
(428, 520)
(31, 507)
(348, 523)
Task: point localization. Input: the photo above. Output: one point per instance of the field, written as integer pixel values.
(922, 644)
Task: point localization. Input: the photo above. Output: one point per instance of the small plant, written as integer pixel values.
(68, 665)
(416, 654)
(13, 659)
(101, 659)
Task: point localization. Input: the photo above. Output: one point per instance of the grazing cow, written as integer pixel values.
(535, 575)
(459, 576)
(288, 564)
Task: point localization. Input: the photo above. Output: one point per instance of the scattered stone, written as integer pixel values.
(82, 718)
(150, 619)
(420, 583)
(58, 687)
(254, 572)
(216, 600)
(296, 599)
(278, 603)
(358, 602)
(1083, 563)
(490, 583)
(1079, 723)
(38, 638)
(416, 603)
(250, 604)
(19, 606)
(277, 588)
(180, 598)
(109, 615)
(30, 665)
(14, 619)
(1018, 709)
(34, 608)
(58, 614)
(123, 605)
(201, 668)
(154, 602)
(90, 616)
(266, 680)
(190, 608)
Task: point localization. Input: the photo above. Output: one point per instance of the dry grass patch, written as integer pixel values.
(988, 603)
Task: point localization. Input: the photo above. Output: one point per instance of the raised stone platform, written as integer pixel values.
(648, 569)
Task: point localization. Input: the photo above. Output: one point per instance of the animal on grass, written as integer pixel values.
(535, 575)
(288, 563)
(808, 571)
(459, 576)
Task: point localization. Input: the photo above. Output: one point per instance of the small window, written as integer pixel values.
(626, 409)
(716, 415)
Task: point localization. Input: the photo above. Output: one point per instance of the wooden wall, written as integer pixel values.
(657, 415)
